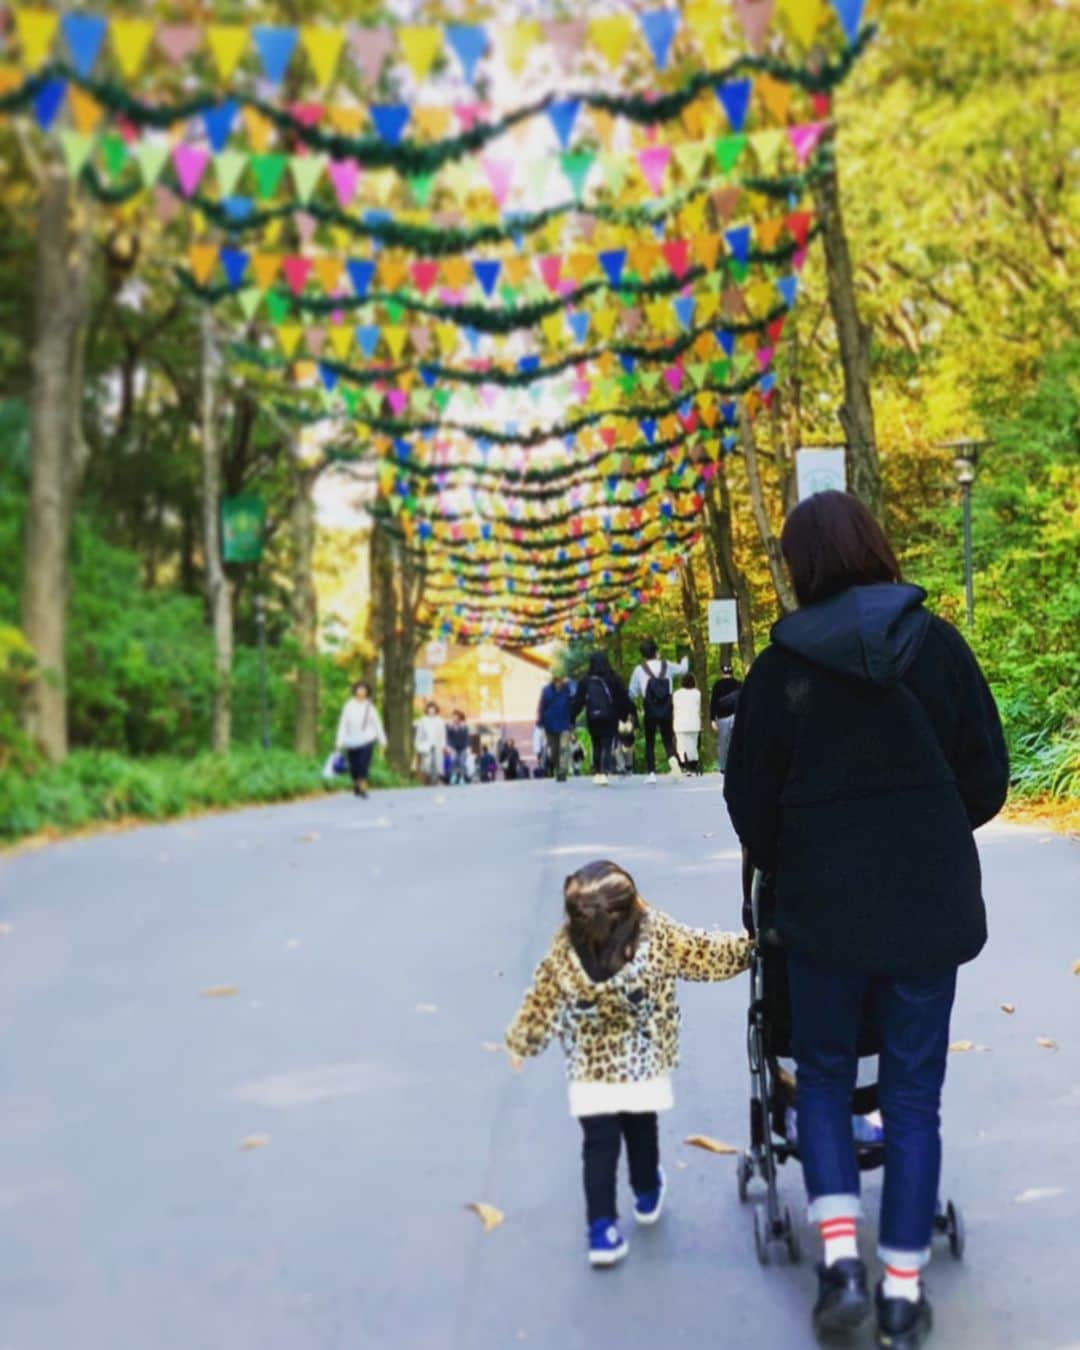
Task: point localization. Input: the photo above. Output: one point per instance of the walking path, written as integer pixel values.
(377, 949)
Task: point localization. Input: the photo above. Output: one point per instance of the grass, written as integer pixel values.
(98, 787)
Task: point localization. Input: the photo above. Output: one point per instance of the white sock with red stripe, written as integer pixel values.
(901, 1282)
(839, 1238)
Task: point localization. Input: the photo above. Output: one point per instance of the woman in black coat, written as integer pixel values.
(603, 698)
(866, 751)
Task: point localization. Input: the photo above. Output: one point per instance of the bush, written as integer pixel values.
(1047, 764)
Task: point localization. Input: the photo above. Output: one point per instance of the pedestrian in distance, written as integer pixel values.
(651, 683)
(607, 988)
(866, 750)
(554, 719)
(359, 731)
(686, 719)
(513, 769)
(457, 739)
(602, 696)
(722, 705)
(429, 741)
(487, 765)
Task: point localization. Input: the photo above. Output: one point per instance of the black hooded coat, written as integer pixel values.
(866, 750)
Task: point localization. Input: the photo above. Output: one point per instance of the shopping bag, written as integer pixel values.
(335, 764)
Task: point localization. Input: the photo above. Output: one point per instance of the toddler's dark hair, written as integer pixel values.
(688, 681)
(603, 917)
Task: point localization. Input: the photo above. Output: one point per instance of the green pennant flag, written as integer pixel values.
(76, 148)
(697, 372)
(420, 186)
(373, 398)
(249, 299)
(508, 293)
(228, 166)
(740, 271)
(351, 400)
(575, 165)
(720, 371)
(277, 306)
(727, 151)
(151, 157)
(114, 154)
(394, 310)
(442, 399)
(268, 170)
(650, 379)
(306, 171)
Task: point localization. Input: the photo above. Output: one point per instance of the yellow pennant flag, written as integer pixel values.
(708, 306)
(447, 335)
(323, 47)
(775, 95)
(767, 146)
(86, 111)
(36, 29)
(457, 273)
(768, 232)
(516, 42)
(611, 36)
(803, 18)
(347, 118)
(130, 39)
(432, 122)
(692, 217)
(396, 336)
(554, 330)
(603, 322)
(260, 129)
(580, 266)
(305, 372)
(517, 269)
(420, 45)
(690, 157)
(226, 42)
(202, 259)
(659, 316)
(340, 338)
(288, 336)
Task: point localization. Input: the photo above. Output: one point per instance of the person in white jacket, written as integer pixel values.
(360, 729)
(687, 722)
(430, 744)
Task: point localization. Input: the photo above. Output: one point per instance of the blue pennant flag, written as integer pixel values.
(659, 27)
(486, 271)
(234, 261)
(424, 531)
(729, 411)
(403, 450)
(849, 12)
(429, 375)
(527, 364)
(579, 325)
(684, 310)
(738, 240)
(767, 381)
(390, 120)
(218, 122)
(329, 377)
(238, 209)
(726, 341)
(568, 440)
(627, 362)
(562, 115)
(472, 337)
(734, 98)
(275, 47)
(360, 271)
(686, 407)
(613, 261)
(367, 334)
(648, 427)
(788, 288)
(485, 531)
(469, 43)
(47, 101)
(84, 34)
(612, 482)
(666, 510)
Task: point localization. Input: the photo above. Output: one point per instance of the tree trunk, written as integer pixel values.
(305, 610)
(781, 583)
(735, 582)
(57, 448)
(218, 590)
(699, 651)
(853, 336)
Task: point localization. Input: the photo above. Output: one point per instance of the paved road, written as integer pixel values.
(131, 1219)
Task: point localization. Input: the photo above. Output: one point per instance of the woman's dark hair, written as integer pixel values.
(647, 648)
(600, 665)
(688, 681)
(603, 918)
(831, 542)
(362, 684)
(432, 707)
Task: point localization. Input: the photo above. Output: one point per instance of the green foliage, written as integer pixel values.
(1048, 765)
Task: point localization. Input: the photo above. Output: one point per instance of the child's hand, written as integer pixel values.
(515, 1061)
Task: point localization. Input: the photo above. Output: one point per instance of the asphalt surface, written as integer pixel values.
(377, 950)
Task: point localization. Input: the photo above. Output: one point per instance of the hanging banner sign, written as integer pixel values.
(423, 682)
(436, 653)
(242, 522)
(820, 470)
(723, 622)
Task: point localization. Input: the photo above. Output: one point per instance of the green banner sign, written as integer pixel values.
(242, 522)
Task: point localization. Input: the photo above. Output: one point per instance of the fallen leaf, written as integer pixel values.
(1076, 967)
(309, 838)
(1008, 1007)
(488, 1215)
(219, 991)
(1046, 1042)
(681, 1165)
(492, 1047)
(427, 1008)
(709, 1145)
(1039, 1193)
(251, 1141)
(440, 800)
(958, 1046)
(5, 929)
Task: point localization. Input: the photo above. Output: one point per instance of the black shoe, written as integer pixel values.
(901, 1324)
(843, 1301)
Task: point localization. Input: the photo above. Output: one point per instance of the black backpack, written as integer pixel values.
(599, 705)
(658, 702)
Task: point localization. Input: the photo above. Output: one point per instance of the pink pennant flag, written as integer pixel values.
(344, 175)
(550, 267)
(500, 174)
(398, 400)
(307, 114)
(425, 273)
(607, 435)
(754, 15)
(804, 137)
(708, 471)
(631, 319)
(690, 420)
(798, 258)
(581, 387)
(566, 39)
(296, 269)
(469, 114)
(178, 41)
(673, 378)
(764, 356)
(166, 204)
(488, 394)
(653, 161)
(306, 225)
(676, 254)
(316, 340)
(190, 163)
(421, 339)
(370, 48)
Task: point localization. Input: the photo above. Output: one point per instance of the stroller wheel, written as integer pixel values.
(954, 1227)
(791, 1240)
(761, 1236)
(744, 1174)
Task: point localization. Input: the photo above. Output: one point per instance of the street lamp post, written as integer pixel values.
(965, 458)
(260, 628)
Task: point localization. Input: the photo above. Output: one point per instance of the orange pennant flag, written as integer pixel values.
(203, 259)
(328, 272)
(264, 269)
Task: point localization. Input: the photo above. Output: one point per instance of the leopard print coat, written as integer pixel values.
(626, 1029)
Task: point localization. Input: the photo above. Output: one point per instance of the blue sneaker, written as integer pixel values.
(607, 1246)
(649, 1204)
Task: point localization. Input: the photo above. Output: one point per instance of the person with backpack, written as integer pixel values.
(651, 682)
(603, 698)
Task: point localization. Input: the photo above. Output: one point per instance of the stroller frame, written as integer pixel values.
(769, 1146)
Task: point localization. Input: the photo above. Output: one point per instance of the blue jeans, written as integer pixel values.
(912, 1017)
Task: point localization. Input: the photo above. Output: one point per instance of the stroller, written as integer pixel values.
(772, 1092)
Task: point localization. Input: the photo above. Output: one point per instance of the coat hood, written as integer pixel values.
(868, 632)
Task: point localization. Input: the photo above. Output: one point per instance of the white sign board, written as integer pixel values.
(820, 471)
(424, 682)
(723, 621)
(436, 653)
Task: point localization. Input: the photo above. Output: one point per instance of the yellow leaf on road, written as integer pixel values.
(5, 929)
(254, 1141)
(1008, 1007)
(958, 1046)
(1046, 1042)
(1076, 967)
(219, 991)
(708, 1144)
(488, 1215)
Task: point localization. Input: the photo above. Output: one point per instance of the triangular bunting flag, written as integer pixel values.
(202, 259)
(804, 138)
(218, 122)
(390, 120)
(323, 47)
(611, 35)
(275, 47)
(228, 166)
(738, 241)
(613, 261)
(150, 156)
(370, 48)
(36, 30)
(499, 174)
(84, 34)
(754, 16)
(234, 263)
(420, 45)
(803, 18)
(849, 12)
(75, 148)
(469, 43)
(189, 162)
(486, 272)
(734, 98)
(653, 162)
(562, 115)
(575, 165)
(267, 170)
(227, 42)
(47, 102)
(361, 271)
(659, 27)
(306, 170)
(178, 41)
(344, 174)
(130, 39)
(296, 269)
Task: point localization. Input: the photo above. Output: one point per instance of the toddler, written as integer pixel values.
(607, 990)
